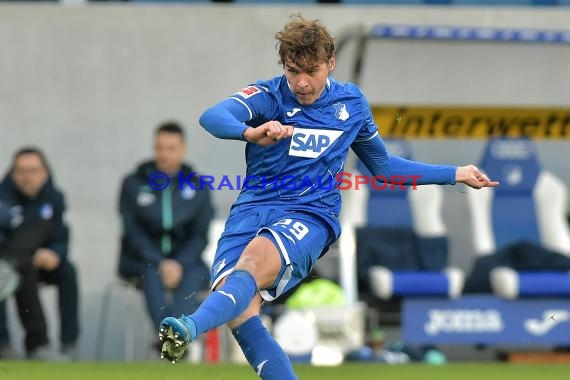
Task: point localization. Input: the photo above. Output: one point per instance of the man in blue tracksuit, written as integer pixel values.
(299, 128)
(34, 238)
(165, 230)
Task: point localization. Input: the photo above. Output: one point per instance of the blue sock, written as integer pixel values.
(224, 304)
(268, 360)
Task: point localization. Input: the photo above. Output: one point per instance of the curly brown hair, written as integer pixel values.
(304, 42)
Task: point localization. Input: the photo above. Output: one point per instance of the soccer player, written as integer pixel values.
(298, 125)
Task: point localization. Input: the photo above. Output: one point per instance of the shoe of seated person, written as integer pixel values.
(6, 352)
(69, 351)
(175, 335)
(46, 353)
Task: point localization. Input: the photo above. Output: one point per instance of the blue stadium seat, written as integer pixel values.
(396, 2)
(544, 2)
(275, 2)
(401, 244)
(528, 206)
(493, 2)
(393, 202)
(173, 1)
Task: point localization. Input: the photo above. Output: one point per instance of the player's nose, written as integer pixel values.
(302, 82)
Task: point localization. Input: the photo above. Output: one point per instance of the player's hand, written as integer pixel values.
(170, 273)
(268, 133)
(473, 177)
(46, 259)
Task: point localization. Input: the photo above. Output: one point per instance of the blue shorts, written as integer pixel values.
(300, 237)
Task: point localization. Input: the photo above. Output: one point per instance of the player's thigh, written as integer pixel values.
(300, 238)
(240, 230)
(262, 259)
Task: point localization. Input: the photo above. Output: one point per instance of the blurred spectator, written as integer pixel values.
(165, 231)
(34, 240)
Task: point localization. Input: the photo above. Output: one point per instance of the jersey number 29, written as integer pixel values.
(297, 229)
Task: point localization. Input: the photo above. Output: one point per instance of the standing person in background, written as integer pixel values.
(34, 239)
(165, 230)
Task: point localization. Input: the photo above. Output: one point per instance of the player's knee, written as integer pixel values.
(264, 272)
(250, 264)
(262, 259)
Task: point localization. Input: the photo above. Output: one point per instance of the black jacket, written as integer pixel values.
(46, 209)
(159, 224)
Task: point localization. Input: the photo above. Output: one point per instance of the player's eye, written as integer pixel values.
(312, 71)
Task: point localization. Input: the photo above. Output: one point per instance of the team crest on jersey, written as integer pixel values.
(311, 143)
(340, 111)
(46, 211)
(248, 92)
(145, 199)
(187, 192)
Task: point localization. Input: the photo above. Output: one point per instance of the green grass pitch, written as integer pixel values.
(165, 371)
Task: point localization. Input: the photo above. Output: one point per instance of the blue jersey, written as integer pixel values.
(300, 173)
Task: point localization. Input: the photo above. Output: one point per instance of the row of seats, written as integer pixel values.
(400, 239)
(393, 2)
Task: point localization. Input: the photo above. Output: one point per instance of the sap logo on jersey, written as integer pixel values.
(311, 143)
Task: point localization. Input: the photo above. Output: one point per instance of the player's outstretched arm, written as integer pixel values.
(268, 133)
(373, 154)
(473, 177)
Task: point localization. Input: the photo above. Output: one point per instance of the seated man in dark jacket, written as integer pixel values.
(34, 240)
(165, 229)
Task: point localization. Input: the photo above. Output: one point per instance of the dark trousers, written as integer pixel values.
(65, 278)
(184, 299)
(18, 250)
(30, 310)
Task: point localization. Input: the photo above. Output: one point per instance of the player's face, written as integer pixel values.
(169, 151)
(29, 174)
(308, 83)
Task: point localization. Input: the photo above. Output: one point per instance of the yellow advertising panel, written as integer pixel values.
(472, 122)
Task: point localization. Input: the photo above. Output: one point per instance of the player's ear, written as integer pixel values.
(331, 63)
